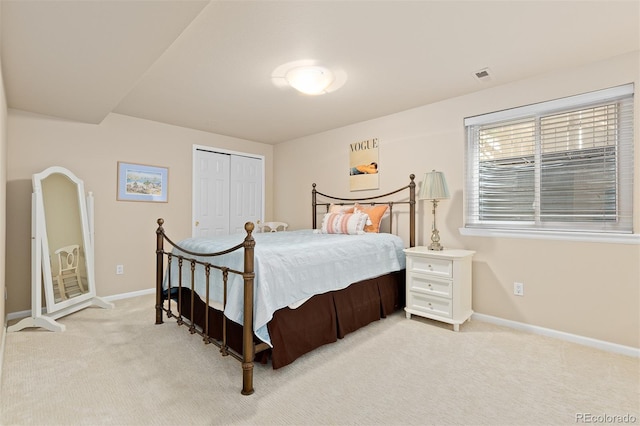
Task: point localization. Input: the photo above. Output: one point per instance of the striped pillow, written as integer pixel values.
(344, 223)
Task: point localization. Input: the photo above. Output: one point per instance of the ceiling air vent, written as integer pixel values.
(483, 75)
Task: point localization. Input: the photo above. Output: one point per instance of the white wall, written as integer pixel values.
(588, 289)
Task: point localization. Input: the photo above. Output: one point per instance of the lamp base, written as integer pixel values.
(435, 246)
(435, 235)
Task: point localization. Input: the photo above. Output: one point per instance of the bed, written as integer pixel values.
(272, 297)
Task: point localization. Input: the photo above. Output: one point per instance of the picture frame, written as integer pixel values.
(142, 182)
(364, 165)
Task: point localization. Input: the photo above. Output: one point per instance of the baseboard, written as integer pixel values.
(581, 340)
(18, 315)
(24, 314)
(130, 294)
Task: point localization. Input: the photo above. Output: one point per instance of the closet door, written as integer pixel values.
(227, 192)
(245, 192)
(211, 194)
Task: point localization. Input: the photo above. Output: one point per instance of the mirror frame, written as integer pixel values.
(43, 236)
(41, 271)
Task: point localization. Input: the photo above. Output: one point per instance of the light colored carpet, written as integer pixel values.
(117, 367)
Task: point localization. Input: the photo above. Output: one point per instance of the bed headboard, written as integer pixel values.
(409, 199)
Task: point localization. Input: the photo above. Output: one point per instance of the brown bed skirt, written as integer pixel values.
(323, 319)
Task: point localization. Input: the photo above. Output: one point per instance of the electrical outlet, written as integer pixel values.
(119, 269)
(518, 289)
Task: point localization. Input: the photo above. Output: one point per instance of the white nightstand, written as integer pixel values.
(439, 284)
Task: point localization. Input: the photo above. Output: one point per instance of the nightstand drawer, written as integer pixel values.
(431, 305)
(441, 267)
(429, 285)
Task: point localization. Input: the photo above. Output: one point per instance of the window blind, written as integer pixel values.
(563, 165)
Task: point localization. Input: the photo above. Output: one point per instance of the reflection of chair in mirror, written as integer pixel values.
(68, 270)
(273, 226)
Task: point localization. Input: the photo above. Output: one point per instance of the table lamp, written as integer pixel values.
(434, 188)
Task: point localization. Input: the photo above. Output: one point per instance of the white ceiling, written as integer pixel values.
(207, 65)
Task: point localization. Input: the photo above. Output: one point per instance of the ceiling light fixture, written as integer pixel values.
(310, 80)
(308, 77)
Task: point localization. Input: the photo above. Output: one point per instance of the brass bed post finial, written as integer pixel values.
(159, 269)
(249, 227)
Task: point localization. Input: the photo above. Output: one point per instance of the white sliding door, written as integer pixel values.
(227, 192)
(210, 194)
(245, 192)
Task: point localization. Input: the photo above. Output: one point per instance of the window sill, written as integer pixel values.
(553, 235)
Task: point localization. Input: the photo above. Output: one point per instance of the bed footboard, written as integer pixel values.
(249, 347)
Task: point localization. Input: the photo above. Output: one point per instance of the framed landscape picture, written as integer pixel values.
(140, 182)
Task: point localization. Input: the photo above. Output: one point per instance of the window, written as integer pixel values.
(563, 165)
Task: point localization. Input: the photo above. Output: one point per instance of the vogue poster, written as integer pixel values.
(363, 165)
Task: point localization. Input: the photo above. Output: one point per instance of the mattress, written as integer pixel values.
(290, 267)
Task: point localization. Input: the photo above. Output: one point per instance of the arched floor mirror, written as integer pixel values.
(62, 261)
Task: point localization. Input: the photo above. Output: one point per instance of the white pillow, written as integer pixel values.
(341, 208)
(344, 223)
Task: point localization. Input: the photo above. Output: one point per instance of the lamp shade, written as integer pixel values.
(434, 186)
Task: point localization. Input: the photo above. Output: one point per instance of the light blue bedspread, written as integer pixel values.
(290, 267)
